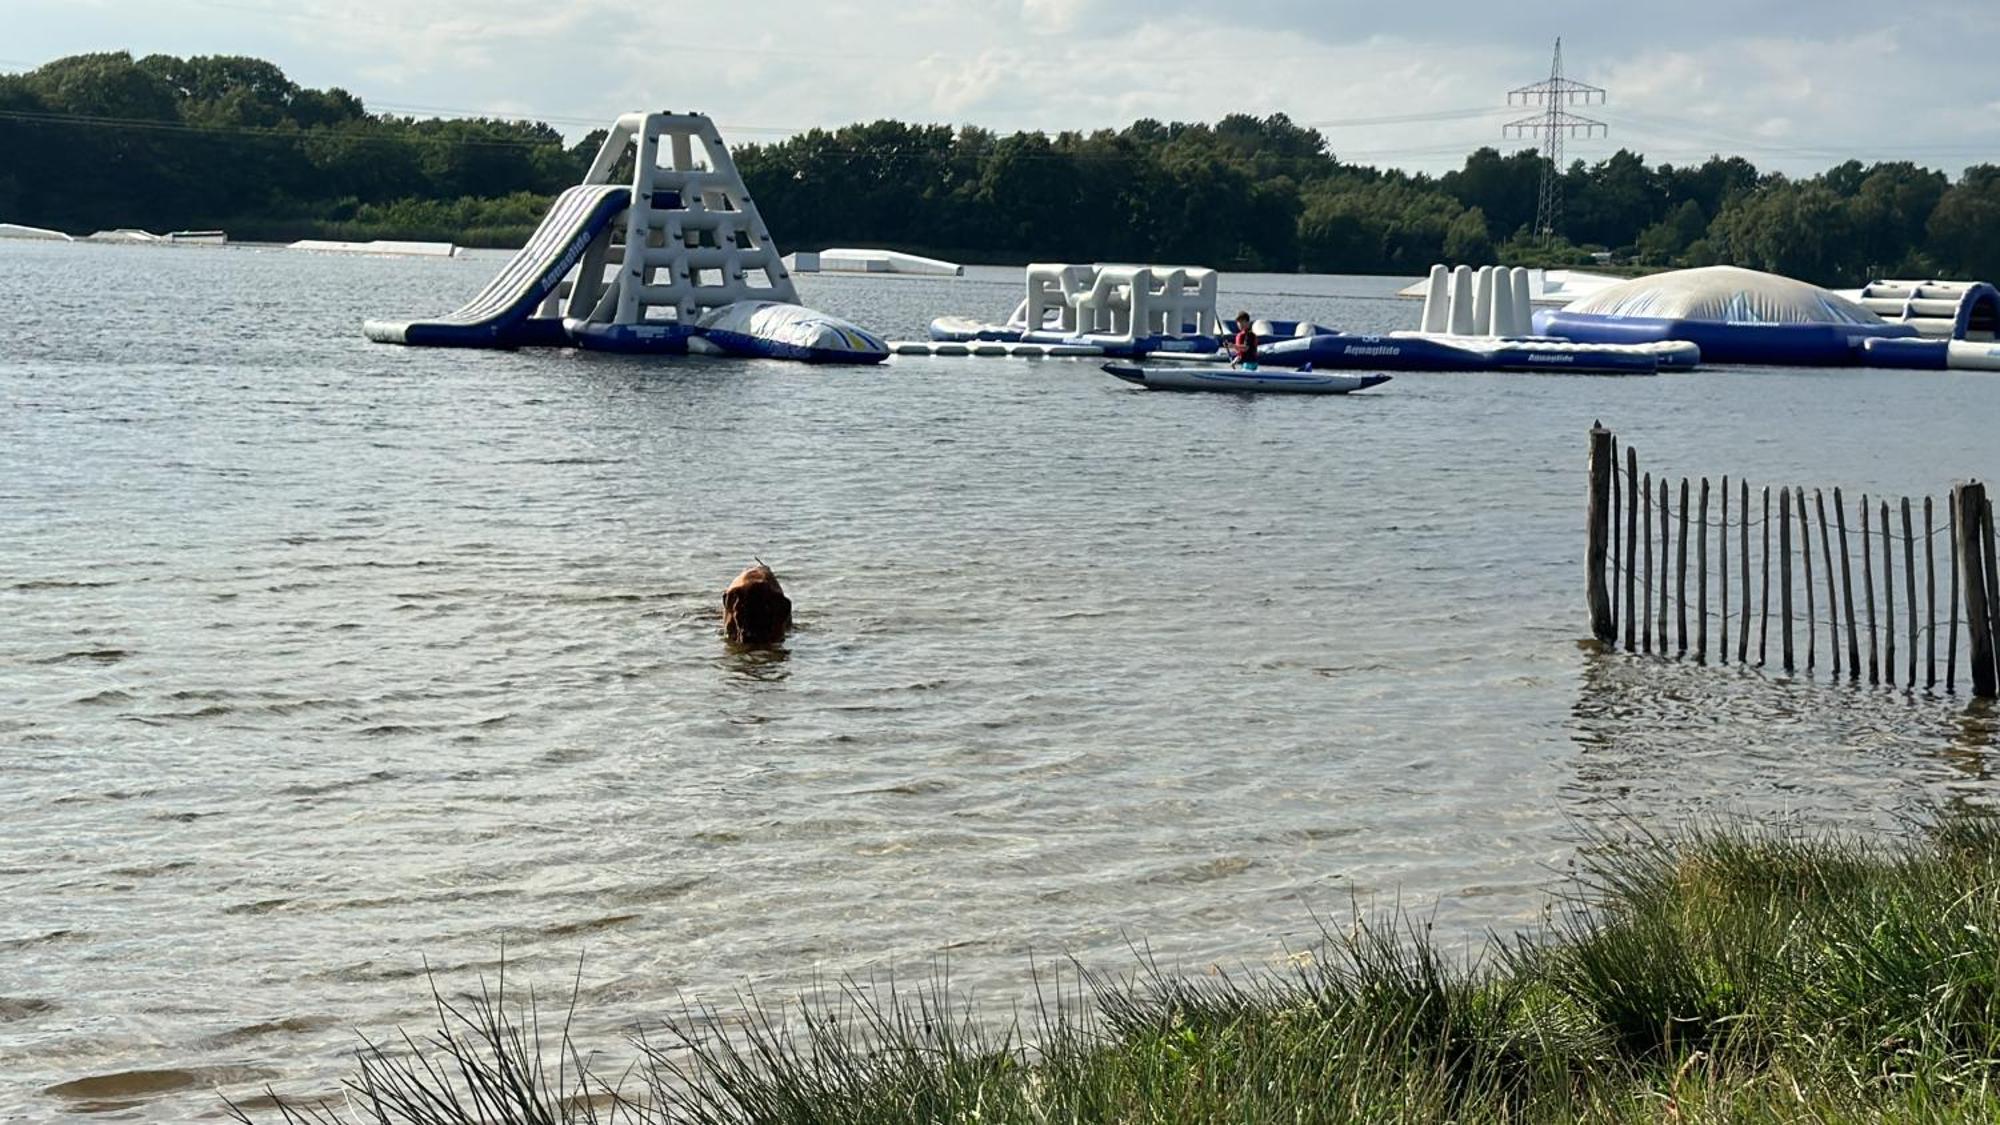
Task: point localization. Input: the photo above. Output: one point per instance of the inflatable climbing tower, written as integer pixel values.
(660, 250)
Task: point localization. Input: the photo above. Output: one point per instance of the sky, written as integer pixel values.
(1796, 85)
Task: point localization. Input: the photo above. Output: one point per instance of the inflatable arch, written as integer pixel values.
(1950, 310)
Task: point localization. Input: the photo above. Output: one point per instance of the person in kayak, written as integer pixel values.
(1243, 352)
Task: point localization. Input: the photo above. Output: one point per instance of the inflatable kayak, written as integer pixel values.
(1262, 381)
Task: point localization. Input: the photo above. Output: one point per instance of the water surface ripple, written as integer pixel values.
(325, 660)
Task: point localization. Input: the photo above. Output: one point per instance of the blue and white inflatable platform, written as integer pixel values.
(1733, 315)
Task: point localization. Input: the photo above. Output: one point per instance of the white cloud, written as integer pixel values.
(1886, 82)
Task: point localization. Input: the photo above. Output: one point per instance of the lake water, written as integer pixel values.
(325, 661)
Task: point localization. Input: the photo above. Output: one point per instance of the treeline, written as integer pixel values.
(107, 140)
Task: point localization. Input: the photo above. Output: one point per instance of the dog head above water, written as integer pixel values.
(755, 610)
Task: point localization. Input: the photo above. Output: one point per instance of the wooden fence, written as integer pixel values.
(1652, 605)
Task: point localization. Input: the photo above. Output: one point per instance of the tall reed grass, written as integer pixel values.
(1727, 973)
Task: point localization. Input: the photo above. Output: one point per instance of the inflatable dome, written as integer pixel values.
(1735, 315)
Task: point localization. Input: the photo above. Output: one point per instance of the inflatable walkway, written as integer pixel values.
(503, 314)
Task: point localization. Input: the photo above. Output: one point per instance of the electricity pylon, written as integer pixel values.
(1555, 95)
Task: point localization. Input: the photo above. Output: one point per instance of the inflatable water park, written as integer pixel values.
(672, 261)
(673, 258)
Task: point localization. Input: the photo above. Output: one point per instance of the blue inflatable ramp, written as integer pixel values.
(503, 314)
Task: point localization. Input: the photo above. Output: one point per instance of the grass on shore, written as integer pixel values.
(1726, 974)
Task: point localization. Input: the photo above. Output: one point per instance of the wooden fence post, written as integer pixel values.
(1743, 636)
(1930, 598)
(1666, 544)
(1681, 582)
(1701, 581)
(1888, 601)
(1805, 555)
(1722, 572)
(1764, 621)
(1832, 600)
(1785, 573)
(1951, 603)
(1910, 588)
(1603, 625)
(1969, 507)
(1868, 587)
(1847, 587)
(1631, 540)
(1646, 618)
(1992, 593)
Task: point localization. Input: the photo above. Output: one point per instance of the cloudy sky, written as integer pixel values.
(1793, 84)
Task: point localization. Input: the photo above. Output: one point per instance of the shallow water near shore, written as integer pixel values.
(325, 662)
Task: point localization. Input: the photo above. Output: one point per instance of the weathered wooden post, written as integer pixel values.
(1631, 540)
(1969, 508)
(1910, 588)
(1646, 618)
(1847, 588)
(1722, 572)
(1992, 593)
(1701, 581)
(1888, 601)
(1764, 620)
(1832, 598)
(1681, 585)
(1785, 573)
(1611, 567)
(1805, 556)
(1951, 603)
(1743, 639)
(1930, 600)
(1603, 625)
(1868, 587)
(1666, 544)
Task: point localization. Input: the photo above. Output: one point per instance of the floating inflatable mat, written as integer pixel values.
(778, 330)
(992, 348)
(1931, 355)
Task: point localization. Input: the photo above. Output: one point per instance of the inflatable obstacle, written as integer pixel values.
(1931, 355)
(649, 265)
(1941, 310)
(1120, 310)
(1733, 315)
